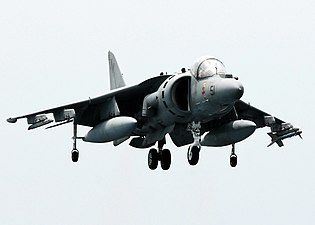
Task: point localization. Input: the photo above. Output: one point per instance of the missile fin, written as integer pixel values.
(280, 143)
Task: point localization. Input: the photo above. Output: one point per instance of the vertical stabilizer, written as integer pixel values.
(115, 76)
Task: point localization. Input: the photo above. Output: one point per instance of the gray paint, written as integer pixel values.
(62, 46)
(202, 99)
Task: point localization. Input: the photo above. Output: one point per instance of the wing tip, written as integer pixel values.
(11, 120)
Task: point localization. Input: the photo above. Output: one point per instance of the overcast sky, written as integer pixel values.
(55, 52)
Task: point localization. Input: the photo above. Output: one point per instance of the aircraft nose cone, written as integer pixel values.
(229, 91)
(239, 91)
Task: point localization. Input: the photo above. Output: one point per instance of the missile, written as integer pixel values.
(229, 133)
(112, 129)
(40, 123)
(277, 137)
(59, 124)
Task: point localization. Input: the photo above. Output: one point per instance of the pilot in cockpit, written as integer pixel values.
(207, 66)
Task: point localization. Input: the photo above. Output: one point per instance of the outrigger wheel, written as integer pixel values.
(233, 157)
(75, 155)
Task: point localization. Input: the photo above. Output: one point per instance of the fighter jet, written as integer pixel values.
(198, 107)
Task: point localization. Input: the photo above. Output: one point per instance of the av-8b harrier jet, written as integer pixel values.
(198, 107)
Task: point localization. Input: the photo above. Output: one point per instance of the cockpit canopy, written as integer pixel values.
(207, 66)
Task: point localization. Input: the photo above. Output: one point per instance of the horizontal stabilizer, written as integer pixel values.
(138, 142)
(121, 140)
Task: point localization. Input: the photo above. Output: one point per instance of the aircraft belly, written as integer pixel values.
(207, 111)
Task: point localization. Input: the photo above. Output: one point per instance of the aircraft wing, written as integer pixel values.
(248, 112)
(280, 130)
(92, 111)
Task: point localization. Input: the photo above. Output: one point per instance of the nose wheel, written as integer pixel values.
(233, 157)
(193, 155)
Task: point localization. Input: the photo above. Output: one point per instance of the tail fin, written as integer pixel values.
(115, 76)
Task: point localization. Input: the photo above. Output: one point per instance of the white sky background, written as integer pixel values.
(55, 52)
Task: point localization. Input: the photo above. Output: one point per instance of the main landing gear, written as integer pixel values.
(74, 152)
(160, 154)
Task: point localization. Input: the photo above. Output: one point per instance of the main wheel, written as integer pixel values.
(233, 160)
(153, 159)
(193, 155)
(166, 159)
(75, 155)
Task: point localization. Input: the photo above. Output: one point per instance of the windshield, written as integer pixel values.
(207, 66)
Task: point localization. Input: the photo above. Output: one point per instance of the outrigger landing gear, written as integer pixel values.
(233, 157)
(162, 155)
(74, 152)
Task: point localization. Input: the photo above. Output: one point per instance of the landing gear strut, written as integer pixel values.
(233, 157)
(160, 154)
(194, 149)
(74, 152)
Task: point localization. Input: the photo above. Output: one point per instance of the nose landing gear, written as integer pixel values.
(193, 155)
(194, 149)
